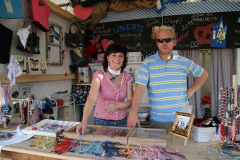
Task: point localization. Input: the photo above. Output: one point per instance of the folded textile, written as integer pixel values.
(14, 70)
(23, 35)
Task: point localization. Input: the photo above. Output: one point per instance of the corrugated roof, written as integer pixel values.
(174, 9)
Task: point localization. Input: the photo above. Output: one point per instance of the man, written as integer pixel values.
(165, 75)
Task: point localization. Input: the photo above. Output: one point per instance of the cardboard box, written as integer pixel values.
(64, 96)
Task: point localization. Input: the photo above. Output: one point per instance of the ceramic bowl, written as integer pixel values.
(142, 116)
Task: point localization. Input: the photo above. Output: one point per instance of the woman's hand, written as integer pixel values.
(81, 127)
(111, 107)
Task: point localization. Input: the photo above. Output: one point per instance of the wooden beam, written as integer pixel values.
(59, 11)
(38, 78)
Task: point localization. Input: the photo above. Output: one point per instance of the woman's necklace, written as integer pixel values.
(113, 77)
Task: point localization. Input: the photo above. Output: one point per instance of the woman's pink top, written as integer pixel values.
(110, 93)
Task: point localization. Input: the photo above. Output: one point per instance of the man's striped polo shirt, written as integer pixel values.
(167, 84)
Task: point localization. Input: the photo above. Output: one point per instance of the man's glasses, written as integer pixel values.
(161, 40)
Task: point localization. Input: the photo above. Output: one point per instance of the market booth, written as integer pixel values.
(42, 100)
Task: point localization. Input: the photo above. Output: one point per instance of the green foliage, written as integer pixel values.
(83, 25)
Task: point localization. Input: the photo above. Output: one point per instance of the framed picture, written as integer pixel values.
(84, 75)
(26, 91)
(54, 44)
(182, 124)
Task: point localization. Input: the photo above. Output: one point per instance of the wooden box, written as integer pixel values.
(113, 134)
(89, 132)
(84, 75)
(148, 136)
(64, 113)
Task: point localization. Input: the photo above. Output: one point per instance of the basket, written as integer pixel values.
(204, 134)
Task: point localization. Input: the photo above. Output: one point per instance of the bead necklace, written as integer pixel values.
(72, 146)
(113, 77)
(110, 150)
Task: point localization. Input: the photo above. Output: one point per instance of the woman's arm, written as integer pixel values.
(91, 100)
(122, 105)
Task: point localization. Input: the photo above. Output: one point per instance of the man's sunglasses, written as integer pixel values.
(161, 40)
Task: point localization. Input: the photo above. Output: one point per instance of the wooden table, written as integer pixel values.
(21, 151)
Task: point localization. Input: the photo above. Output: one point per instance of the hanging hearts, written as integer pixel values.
(5, 109)
(82, 12)
(106, 43)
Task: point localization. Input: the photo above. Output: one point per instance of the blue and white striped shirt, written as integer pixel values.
(167, 84)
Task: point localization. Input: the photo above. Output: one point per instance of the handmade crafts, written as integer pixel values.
(48, 127)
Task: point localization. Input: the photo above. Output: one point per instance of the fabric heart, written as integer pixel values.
(99, 50)
(106, 43)
(82, 12)
(81, 92)
(90, 50)
(96, 39)
(98, 45)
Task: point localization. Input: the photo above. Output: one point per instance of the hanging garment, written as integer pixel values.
(14, 70)
(23, 35)
(5, 43)
(40, 14)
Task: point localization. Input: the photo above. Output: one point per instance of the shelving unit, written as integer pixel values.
(99, 64)
(38, 78)
(59, 11)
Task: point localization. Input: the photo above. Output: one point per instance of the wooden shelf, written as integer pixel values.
(100, 64)
(38, 78)
(59, 11)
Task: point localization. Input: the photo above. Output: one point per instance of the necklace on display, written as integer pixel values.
(113, 77)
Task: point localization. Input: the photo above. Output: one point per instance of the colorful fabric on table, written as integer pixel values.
(80, 93)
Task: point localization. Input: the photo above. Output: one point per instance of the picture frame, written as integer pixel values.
(26, 91)
(182, 124)
(54, 44)
(84, 75)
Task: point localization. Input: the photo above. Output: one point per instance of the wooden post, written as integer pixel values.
(234, 84)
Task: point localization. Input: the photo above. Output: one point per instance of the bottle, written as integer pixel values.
(81, 77)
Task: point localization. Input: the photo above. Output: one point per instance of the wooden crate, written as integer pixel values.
(90, 131)
(113, 134)
(64, 113)
(148, 136)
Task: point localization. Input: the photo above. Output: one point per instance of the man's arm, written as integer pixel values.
(197, 84)
(137, 97)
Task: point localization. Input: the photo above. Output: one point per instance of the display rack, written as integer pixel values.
(235, 105)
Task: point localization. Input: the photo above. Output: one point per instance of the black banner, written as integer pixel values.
(195, 31)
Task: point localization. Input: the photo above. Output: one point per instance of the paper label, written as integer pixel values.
(8, 6)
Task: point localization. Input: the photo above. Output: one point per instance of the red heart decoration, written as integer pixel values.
(98, 45)
(82, 12)
(96, 39)
(99, 50)
(106, 43)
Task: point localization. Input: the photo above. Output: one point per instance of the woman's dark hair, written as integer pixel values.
(115, 48)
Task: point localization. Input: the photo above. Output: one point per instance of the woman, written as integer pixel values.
(110, 86)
